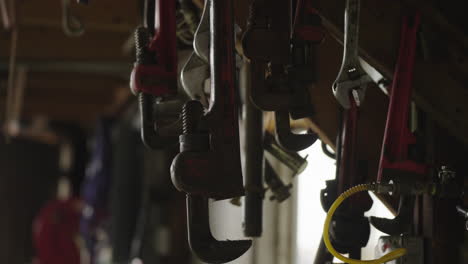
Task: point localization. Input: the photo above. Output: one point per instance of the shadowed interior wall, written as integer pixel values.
(28, 176)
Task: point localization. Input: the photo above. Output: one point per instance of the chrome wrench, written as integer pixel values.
(352, 80)
(196, 71)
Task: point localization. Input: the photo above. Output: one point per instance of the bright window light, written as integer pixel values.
(310, 214)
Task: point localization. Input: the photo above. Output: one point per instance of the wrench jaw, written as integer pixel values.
(289, 140)
(201, 240)
(201, 41)
(150, 134)
(280, 191)
(151, 81)
(193, 76)
(199, 173)
(208, 165)
(401, 224)
(352, 82)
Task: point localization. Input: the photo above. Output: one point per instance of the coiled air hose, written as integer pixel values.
(326, 237)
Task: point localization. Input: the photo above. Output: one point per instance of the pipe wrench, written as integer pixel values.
(208, 165)
(278, 83)
(395, 160)
(154, 76)
(352, 80)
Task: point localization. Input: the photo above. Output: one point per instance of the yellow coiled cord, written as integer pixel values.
(326, 238)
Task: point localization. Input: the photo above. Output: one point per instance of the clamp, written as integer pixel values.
(154, 76)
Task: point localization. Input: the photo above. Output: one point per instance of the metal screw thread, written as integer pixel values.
(191, 113)
(142, 37)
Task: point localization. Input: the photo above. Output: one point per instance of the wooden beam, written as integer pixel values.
(52, 44)
(439, 83)
(71, 96)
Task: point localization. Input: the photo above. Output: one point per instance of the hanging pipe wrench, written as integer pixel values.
(154, 76)
(267, 43)
(196, 71)
(208, 165)
(396, 163)
(350, 230)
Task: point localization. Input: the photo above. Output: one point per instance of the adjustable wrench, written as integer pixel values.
(154, 76)
(208, 165)
(352, 79)
(395, 159)
(351, 82)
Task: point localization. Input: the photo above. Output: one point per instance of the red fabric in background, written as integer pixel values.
(55, 231)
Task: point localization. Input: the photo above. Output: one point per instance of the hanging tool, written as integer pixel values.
(254, 158)
(187, 21)
(350, 229)
(72, 25)
(281, 191)
(281, 73)
(380, 188)
(352, 79)
(208, 165)
(154, 76)
(295, 162)
(201, 41)
(464, 213)
(5, 14)
(292, 160)
(193, 76)
(395, 160)
(195, 72)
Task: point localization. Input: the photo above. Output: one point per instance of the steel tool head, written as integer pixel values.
(401, 223)
(193, 76)
(202, 242)
(289, 140)
(201, 41)
(150, 131)
(351, 81)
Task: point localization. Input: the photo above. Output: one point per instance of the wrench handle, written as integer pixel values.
(351, 33)
(164, 43)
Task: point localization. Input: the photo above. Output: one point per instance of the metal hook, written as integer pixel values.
(289, 140)
(401, 223)
(202, 242)
(150, 134)
(72, 25)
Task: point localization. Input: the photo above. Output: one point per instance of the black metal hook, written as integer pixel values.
(289, 140)
(402, 221)
(202, 242)
(150, 133)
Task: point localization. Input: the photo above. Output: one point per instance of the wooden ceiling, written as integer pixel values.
(79, 78)
(72, 78)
